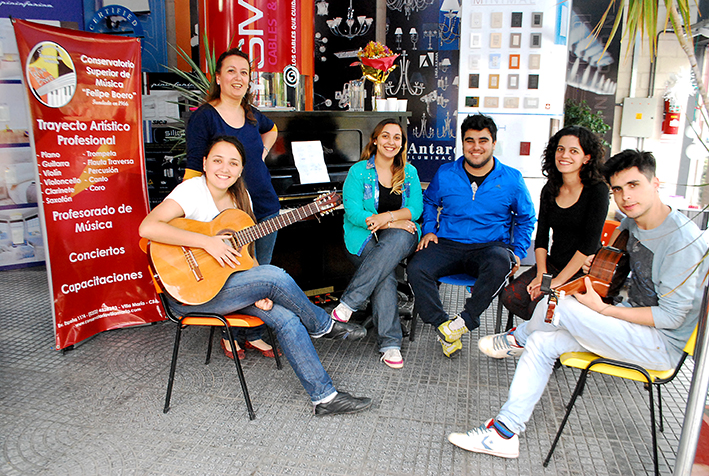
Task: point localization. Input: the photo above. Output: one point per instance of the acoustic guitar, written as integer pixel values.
(609, 269)
(193, 276)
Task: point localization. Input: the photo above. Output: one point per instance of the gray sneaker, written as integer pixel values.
(500, 346)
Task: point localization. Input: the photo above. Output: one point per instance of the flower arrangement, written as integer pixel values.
(377, 61)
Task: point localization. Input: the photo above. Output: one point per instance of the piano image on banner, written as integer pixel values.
(51, 74)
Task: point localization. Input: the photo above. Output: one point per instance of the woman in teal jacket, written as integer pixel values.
(383, 199)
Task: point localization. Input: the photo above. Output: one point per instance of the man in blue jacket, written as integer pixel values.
(468, 211)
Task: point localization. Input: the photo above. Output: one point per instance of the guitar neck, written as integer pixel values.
(253, 233)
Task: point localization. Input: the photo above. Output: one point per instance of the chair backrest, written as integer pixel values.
(608, 229)
(689, 346)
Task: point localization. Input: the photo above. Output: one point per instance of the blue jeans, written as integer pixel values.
(490, 263)
(580, 330)
(376, 277)
(293, 318)
(264, 252)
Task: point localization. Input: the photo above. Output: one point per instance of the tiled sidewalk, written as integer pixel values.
(97, 410)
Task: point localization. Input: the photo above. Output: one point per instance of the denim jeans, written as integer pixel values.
(580, 330)
(293, 318)
(264, 252)
(490, 263)
(376, 277)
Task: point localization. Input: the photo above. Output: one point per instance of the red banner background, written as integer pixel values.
(88, 143)
(268, 30)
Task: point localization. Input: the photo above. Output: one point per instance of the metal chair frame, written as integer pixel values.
(212, 320)
(652, 378)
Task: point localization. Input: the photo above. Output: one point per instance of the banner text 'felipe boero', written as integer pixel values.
(85, 103)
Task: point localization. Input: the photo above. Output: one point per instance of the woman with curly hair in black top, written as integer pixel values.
(573, 205)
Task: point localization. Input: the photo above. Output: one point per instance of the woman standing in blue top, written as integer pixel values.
(228, 111)
(382, 198)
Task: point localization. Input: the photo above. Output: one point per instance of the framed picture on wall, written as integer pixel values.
(495, 61)
(472, 101)
(535, 40)
(516, 20)
(531, 103)
(537, 18)
(493, 81)
(496, 20)
(515, 40)
(474, 62)
(533, 81)
(475, 40)
(473, 81)
(491, 102)
(495, 40)
(535, 61)
(512, 81)
(510, 103)
(513, 62)
(476, 20)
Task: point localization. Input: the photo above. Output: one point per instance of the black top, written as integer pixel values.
(576, 228)
(388, 202)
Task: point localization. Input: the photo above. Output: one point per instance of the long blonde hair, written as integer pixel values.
(399, 165)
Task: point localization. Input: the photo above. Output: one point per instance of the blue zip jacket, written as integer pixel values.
(360, 195)
(485, 216)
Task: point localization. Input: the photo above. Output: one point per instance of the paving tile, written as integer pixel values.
(97, 410)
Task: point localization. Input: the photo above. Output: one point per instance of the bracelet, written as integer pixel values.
(392, 217)
(389, 225)
(602, 310)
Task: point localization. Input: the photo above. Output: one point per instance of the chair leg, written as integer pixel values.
(498, 318)
(654, 433)
(274, 344)
(173, 366)
(574, 396)
(242, 379)
(510, 321)
(414, 317)
(209, 346)
(661, 426)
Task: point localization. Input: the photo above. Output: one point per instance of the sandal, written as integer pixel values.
(240, 352)
(266, 353)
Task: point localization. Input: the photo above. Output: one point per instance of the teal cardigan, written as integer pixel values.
(360, 195)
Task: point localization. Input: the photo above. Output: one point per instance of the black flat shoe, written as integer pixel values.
(345, 330)
(343, 403)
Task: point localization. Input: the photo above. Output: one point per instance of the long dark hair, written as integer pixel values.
(215, 91)
(238, 192)
(399, 165)
(590, 172)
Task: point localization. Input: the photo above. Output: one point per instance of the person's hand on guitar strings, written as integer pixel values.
(591, 299)
(218, 247)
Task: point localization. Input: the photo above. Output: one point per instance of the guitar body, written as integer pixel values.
(609, 269)
(191, 275)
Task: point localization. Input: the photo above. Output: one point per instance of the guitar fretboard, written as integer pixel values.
(253, 233)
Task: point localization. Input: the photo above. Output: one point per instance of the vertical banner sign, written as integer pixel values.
(268, 30)
(85, 103)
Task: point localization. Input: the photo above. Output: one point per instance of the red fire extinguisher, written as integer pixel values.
(670, 124)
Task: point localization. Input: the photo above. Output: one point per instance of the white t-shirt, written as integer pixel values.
(194, 198)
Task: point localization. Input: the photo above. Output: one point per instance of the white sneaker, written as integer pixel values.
(486, 439)
(393, 358)
(341, 313)
(500, 346)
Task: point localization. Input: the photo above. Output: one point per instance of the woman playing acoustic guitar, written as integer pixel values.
(574, 205)
(266, 292)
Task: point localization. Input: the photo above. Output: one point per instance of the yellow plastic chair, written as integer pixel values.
(211, 320)
(588, 361)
